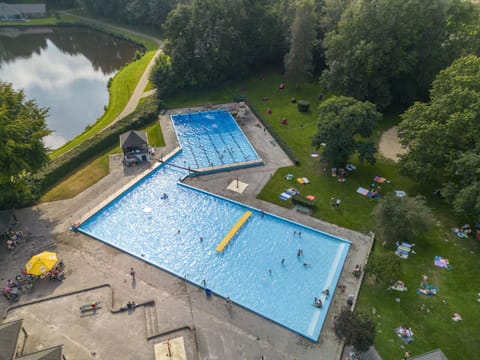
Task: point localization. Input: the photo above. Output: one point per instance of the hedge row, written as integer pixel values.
(64, 164)
(274, 134)
(297, 200)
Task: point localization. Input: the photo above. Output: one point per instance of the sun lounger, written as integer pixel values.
(285, 196)
(363, 191)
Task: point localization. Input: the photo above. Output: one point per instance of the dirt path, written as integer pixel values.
(389, 145)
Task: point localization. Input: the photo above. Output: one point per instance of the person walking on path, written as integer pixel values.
(132, 273)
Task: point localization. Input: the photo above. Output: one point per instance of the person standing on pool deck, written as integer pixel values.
(132, 273)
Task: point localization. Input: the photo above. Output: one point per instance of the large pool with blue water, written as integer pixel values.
(259, 269)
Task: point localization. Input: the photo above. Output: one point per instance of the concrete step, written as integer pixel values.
(151, 320)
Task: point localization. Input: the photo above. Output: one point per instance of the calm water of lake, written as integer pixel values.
(64, 69)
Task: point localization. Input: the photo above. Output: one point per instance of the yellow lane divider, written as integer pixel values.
(233, 231)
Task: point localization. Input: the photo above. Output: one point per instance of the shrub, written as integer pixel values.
(303, 106)
(298, 200)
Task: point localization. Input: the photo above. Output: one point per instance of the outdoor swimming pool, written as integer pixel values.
(211, 138)
(180, 234)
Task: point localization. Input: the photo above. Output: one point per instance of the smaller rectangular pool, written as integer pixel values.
(212, 138)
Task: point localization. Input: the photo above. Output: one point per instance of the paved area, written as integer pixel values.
(168, 307)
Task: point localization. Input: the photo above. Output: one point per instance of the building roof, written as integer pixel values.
(30, 8)
(54, 353)
(133, 138)
(436, 354)
(8, 339)
(8, 10)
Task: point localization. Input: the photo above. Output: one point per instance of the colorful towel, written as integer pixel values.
(310, 197)
(285, 196)
(428, 290)
(400, 193)
(303, 180)
(363, 191)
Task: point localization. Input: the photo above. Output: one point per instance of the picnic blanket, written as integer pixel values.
(285, 196)
(441, 262)
(404, 333)
(427, 290)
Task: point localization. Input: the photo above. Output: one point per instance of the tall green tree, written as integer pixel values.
(401, 219)
(392, 49)
(442, 136)
(210, 41)
(298, 61)
(344, 127)
(355, 329)
(22, 151)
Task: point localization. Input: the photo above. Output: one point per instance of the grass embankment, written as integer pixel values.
(121, 88)
(429, 317)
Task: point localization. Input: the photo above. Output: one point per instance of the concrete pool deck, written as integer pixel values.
(172, 308)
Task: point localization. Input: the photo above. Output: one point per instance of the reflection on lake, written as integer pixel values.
(64, 69)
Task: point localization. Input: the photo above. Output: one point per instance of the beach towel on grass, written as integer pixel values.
(285, 196)
(406, 334)
(441, 262)
(428, 290)
(363, 191)
(380, 179)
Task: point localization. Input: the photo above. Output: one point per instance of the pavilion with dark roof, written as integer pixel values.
(135, 147)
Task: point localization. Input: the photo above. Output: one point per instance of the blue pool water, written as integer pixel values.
(211, 138)
(167, 233)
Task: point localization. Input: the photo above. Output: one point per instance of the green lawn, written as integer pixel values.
(458, 288)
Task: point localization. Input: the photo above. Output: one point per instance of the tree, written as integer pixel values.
(401, 219)
(392, 49)
(22, 152)
(442, 136)
(355, 329)
(162, 76)
(298, 61)
(210, 41)
(344, 126)
(384, 268)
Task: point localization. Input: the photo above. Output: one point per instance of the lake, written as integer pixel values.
(64, 69)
